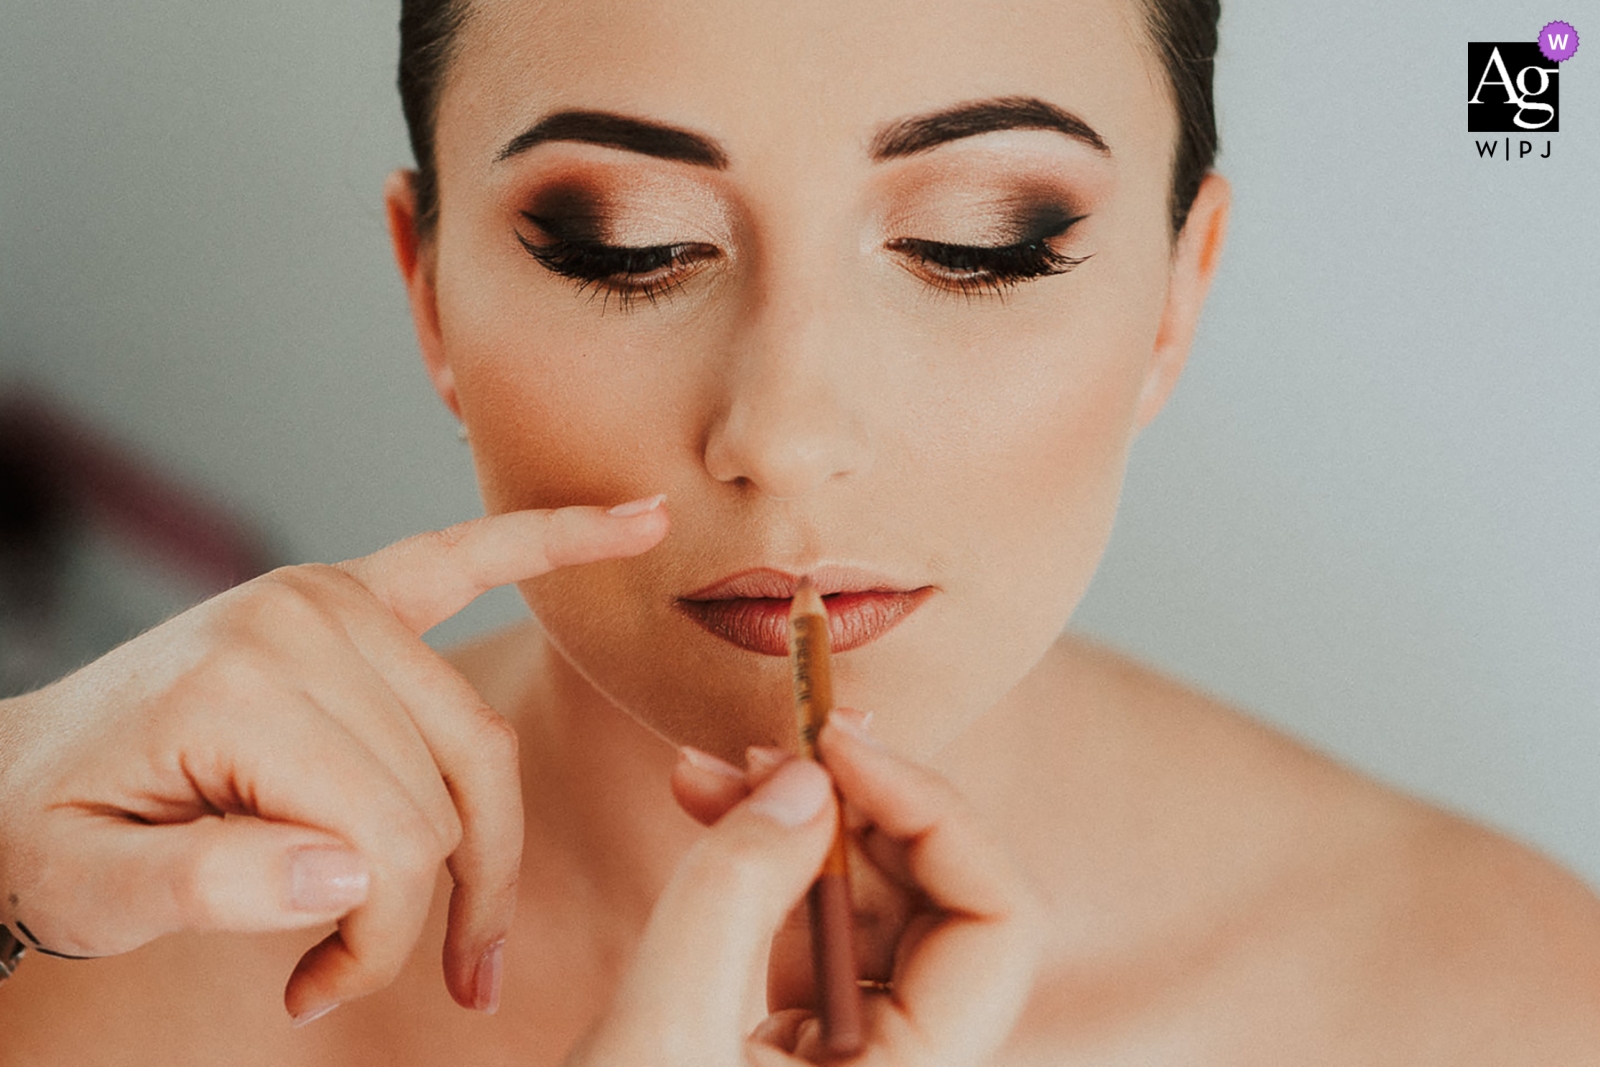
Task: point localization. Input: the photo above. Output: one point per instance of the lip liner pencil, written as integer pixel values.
(832, 937)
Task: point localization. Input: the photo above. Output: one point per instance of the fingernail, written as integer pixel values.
(486, 982)
(855, 715)
(854, 724)
(793, 796)
(306, 1018)
(326, 879)
(638, 507)
(705, 761)
(762, 761)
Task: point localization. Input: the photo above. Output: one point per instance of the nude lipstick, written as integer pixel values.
(751, 609)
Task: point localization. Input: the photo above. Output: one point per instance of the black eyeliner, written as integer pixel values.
(630, 272)
(974, 268)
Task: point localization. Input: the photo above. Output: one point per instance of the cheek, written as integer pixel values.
(1038, 439)
(558, 408)
(1029, 469)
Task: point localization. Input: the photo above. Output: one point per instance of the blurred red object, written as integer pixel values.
(56, 472)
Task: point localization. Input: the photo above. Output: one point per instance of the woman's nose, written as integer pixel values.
(793, 409)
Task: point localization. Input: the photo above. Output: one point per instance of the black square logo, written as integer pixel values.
(1511, 88)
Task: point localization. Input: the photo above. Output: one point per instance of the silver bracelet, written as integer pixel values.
(11, 952)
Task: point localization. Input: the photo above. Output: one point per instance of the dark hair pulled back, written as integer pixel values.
(1184, 33)
(429, 32)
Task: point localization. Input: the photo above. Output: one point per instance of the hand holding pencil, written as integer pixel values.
(955, 992)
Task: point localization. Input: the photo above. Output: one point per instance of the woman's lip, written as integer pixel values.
(761, 624)
(767, 583)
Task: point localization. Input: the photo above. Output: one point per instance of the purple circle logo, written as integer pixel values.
(1558, 41)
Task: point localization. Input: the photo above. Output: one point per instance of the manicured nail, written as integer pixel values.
(855, 715)
(486, 982)
(326, 879)
(638, 507)
(762, 761)
(793, 796)
(705, 761)
(306, 1018)
(854, 724)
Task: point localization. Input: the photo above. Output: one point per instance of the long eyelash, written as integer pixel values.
(968, 269)
(981, 269)
(604, 269)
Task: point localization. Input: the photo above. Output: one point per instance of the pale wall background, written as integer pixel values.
(1371, 513)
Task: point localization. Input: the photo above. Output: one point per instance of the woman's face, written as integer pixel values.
(900, 292)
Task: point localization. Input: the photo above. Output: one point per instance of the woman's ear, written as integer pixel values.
(1194, 264)
(413, 254)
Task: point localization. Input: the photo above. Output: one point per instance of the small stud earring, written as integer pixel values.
(461, 433)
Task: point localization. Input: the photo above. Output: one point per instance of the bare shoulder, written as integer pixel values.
(1244, 879)
(1508, 938)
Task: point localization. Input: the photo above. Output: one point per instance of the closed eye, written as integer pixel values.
(630, 272)
(978, 269)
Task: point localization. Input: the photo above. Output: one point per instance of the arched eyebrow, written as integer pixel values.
(904, 137)
(907, 137)
(620, 131)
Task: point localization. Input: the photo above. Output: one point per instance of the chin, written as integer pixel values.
(924, 681)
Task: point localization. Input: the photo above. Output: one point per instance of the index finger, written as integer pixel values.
(423, 580)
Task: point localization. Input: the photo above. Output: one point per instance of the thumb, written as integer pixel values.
(704, 949)
(135, 883)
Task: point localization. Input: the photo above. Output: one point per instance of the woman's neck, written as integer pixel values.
(600, 814)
